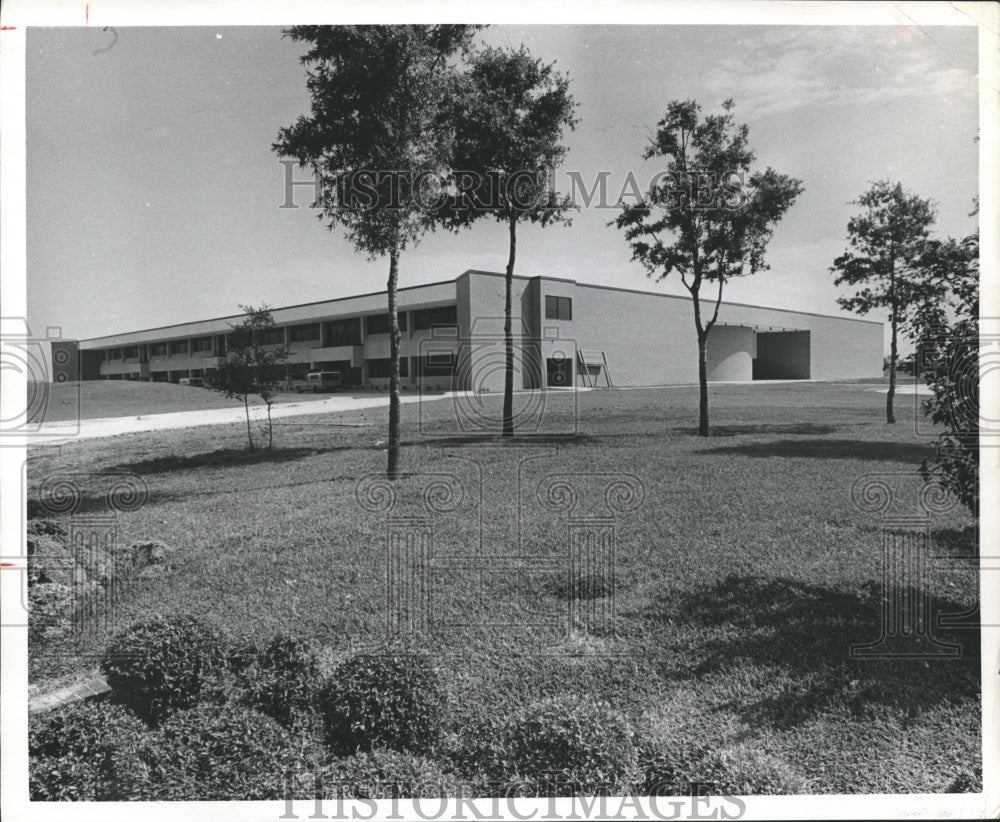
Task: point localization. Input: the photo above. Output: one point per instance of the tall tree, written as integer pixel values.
(510, 122)
(253, 365)
(718, 215)
(945, 327)
(885, 244)
(378, 136)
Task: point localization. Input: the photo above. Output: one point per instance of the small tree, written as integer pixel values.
(378, 137)
(510, 122)
(253, 366)
(885, 244)
(718, 229)
(946, 330)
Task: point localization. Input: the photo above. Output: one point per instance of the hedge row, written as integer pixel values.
(191, 718)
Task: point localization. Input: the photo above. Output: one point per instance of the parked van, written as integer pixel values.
(317, 381)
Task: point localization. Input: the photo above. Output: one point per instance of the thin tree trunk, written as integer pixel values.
(246, 408)
(702, 363)
(702, 384)
(270, 432)
(508, 377)
(392, 471)
(890, 397)
(890, 415)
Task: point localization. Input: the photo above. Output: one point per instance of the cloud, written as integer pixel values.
(788, 69)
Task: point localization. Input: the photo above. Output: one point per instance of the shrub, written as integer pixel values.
(391, 700)
(744, 769)
(738, 770)
(80, 751)
(212, 752)
(385, 774)
(162, 664)
(567, 745)
(283, 680)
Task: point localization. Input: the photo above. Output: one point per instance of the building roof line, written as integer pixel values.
(272, 308)
(673, 296)
(481, 273)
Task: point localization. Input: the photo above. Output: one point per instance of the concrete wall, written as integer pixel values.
(730, 353)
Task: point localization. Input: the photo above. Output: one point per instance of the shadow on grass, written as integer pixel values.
(495, 439)
(224, 458)
(912, 453)
(760, 428)
(804, 633)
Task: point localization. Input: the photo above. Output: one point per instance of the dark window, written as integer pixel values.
(158, 350)
(131, 351)
(379, 323)
(379, 368)
(304, 333)
(437, 365)
(201, 344)
(429, 317)
(344, 332)
(179, 347)
(560, 372)
(558, 308)
(114, 354)
(272, 336)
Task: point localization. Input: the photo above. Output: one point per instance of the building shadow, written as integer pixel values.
(865, 450)
(804, 633)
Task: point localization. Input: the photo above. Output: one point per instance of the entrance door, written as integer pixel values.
(560, 372)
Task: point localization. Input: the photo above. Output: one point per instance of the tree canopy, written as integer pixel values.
(706, 216)
(885, 261)
(510, 118)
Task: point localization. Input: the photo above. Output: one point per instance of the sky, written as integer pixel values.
(153, 195)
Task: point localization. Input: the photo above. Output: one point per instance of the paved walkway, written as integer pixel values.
(74, 693)
(70, 430)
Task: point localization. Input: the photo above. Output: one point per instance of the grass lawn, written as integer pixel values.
(98, 399)
(740, 582)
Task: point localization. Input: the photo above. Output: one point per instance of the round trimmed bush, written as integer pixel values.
(80, 752)
(569, 744)
(384, 774)
(160, 665)
(213, 752)
(391, 700)
(283, 680)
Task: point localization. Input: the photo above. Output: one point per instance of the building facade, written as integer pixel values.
(566, 333)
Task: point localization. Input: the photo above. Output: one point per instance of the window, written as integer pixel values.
(379, 368)
(114, 354)
(304, 333)
(344, 332)
(379, 323)
(179, 347)
(437, 364)
(272, 336)
(131, 351)
(201, 344)
(558, 308)
(428, 317)
(158, 350)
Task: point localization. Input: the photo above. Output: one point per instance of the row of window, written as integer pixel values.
(341, 332)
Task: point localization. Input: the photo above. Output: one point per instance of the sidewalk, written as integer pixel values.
(71, 430)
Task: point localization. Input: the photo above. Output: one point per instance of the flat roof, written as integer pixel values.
(436, 283)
